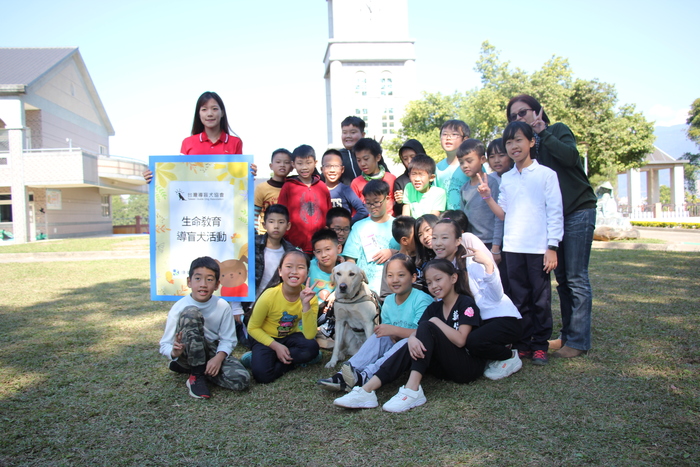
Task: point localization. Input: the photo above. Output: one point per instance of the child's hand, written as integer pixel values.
(329, 302)
(550, 261)
(282, 352)
(398, 196)
(254, 169)
(178, 346)
(214, 364)
(382, 256)
(147, 175)
(382, 330)
(481, 257)
(538, 124)
(483, 186)
(307, 294)
(416, 347)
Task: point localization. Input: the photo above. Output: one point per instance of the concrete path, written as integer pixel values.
(676, 240)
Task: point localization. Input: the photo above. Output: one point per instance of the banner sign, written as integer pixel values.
(202, 206)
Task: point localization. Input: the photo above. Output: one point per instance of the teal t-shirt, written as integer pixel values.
(434, 199)
(319, 280)
(366, 238)
(409, 312)
(451, 178)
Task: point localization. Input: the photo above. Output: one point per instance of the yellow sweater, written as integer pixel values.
(274, 317)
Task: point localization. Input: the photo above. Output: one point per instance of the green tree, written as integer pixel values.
(664, 194)
(694, 122)
(613, 138)
(124, 211)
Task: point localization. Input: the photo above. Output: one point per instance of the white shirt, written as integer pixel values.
(218, 324)
(532, 202)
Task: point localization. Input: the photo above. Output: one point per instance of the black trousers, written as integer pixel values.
(442, 359)
(490, 339)
(265, 365)
(531, 292)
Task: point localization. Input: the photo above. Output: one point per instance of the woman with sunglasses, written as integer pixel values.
(556, 148)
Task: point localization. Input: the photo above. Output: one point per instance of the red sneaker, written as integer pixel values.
(539, 357)
(525, 354)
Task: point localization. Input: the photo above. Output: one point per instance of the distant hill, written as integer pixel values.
(673, 141)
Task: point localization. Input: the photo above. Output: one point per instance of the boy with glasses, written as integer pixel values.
(339, 221)
(342, 195)
(449, 176)
(371, 243)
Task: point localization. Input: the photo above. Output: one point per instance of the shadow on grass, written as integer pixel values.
(83, 384)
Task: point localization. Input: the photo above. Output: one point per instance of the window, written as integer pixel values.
(363, 114)
(386, 84)
(102, 150)
(388, 122)
(360, 83)
(6, 208)
(105, 206)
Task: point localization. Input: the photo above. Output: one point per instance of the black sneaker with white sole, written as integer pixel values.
(334, 383)
(198, 387)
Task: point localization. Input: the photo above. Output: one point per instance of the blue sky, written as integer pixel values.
(150, 60)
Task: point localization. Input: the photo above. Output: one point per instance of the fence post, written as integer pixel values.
(138, 224)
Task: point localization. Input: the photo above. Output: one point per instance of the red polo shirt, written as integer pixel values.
(200, 144)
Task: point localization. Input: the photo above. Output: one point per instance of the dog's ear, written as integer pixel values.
(364, 276)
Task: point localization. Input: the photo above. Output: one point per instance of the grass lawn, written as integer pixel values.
(81, 383)
(79, 244)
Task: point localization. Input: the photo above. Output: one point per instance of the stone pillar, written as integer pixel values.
(634, 189)
(652, 186)
(677, 187)
(20, 215)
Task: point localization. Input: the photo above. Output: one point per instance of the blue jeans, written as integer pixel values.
(575, 294)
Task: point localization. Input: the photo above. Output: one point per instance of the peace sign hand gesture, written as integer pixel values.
(538, 124)
(483, 186)
(306, 295)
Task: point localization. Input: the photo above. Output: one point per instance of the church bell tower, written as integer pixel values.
(370, 68)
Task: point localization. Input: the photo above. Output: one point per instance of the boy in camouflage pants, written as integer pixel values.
(200, 334)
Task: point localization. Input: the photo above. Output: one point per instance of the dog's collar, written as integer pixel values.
(354, 298)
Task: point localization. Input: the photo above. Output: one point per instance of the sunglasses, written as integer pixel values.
(520, 114)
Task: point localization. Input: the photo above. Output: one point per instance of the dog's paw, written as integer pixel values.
(331, 363)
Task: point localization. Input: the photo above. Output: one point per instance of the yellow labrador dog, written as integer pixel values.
(354, 308)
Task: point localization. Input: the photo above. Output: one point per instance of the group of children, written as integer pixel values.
(439, 266)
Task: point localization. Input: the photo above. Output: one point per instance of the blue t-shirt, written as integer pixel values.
(342, 196)
(450, 178)
(409, 312)
(366, 237)
(319, 280)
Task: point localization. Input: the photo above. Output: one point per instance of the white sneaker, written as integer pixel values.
(358, 398)
(405, 400)
(499, 369)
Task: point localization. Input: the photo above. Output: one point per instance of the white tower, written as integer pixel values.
(370, 65)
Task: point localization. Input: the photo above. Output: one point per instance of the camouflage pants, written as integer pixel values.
(198, 350)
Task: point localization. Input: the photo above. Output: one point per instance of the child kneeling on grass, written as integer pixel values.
(437, 346)
(200, 334)
(283, 323)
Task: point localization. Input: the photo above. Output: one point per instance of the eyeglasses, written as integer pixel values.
(333, 166)
(376, 204)
(521, 113)
(341, 229)
(451, 135)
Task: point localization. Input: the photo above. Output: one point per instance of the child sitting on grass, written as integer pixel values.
(283, 323)
(200, 334)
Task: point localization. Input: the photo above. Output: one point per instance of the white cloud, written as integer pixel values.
(667, 116)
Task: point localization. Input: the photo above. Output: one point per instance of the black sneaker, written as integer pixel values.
(351, 376)
(334, 383)
(177, 368)
(198, 387)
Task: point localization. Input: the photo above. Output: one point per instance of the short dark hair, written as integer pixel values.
(458, 216)
(513, 127)
(337, 212)
(276, 209)
(368, 144)
(471, 145)
(303, 152)
(529, 100)
(332, 152)
(402, 227)
(280, 151)
(324, 234)
(205, 262)
(496, 146)
(458, 125)
(353, 121)
(376, 188)
(413, 144)
(406, 261)
(422, 162)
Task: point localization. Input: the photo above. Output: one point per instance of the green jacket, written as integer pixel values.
(557, 150)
